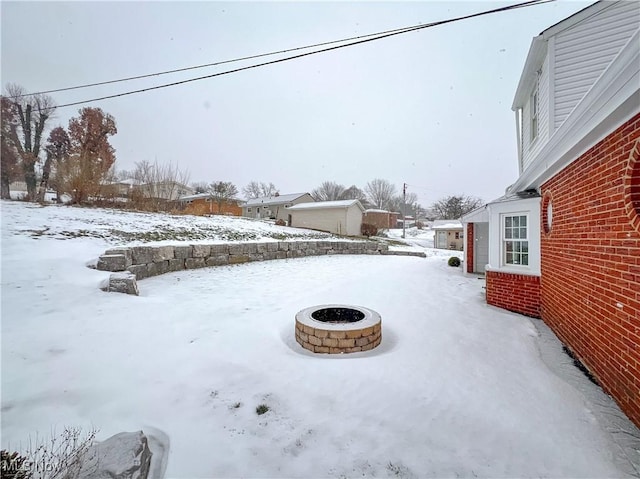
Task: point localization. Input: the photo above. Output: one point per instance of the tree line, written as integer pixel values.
(76, 159)
(79, 161)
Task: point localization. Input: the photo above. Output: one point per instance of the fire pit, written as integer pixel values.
(338, 329)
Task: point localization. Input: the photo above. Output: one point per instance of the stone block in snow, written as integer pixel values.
(123, 283)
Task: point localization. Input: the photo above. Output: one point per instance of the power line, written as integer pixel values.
(369, 38)
(206, 65)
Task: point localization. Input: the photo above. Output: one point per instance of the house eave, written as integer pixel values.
(613, 99)
(536, 55)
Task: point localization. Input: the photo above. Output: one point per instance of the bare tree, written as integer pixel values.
(257, 189)
(156, 185)
(380, 193)
(221, 192)
(9, 155)
(453, 207)
(405, 205)
(328, 191)
(33, 112)
(200, 187)
(355, 193)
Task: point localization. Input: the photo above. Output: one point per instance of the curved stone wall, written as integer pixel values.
(138, 262)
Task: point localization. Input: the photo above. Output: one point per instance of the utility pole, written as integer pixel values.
(404, 203)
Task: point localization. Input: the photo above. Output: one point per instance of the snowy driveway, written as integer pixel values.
(457, 388)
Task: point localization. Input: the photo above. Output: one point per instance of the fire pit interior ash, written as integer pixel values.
(338, 329)
(337, 315)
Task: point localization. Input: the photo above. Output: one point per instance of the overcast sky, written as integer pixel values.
(431, 108)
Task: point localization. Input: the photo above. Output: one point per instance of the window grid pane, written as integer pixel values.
(516, 246)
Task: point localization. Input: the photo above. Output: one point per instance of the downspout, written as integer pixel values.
(518, 113)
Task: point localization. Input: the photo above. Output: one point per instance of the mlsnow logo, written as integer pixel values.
(16, 466)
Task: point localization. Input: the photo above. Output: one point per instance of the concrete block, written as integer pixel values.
(123, 283)
(112, 262)
(201, 251)
(142, 254)
(193, 263)
(163, 253)
(183, 252)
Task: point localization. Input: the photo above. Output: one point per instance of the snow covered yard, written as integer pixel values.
(456, 389)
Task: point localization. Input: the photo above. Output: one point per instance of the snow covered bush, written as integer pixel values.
(281, 222)
(454, 261)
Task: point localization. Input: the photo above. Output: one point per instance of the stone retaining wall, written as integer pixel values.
(139, 262)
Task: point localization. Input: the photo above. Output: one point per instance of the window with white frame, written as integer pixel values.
(515, 240)
(535, 107)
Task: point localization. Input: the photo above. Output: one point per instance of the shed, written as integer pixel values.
(339, 217)
(449, 234)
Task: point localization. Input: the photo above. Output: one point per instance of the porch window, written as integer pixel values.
(515, 240)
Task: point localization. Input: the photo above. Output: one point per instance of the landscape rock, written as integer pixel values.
(217, 249)
(162, 253)
(142, 254)
(176, 264)
(183, 252)
(112, 262)
(123, 456)
(125, 251)
(123, 283)
(201, 250)
(193, 263)
(139, 270)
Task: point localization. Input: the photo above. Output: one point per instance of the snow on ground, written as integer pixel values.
(119, 227)
(456, 389)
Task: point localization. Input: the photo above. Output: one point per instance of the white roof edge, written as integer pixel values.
(327, 204)
(537, 51)
(576, 18)
(478, 215)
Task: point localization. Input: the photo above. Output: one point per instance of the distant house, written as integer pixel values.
(274, 207)
(120, 188)
(164, 190)
(133, 188)
(339, 217)
(448, 234)
(564, 242)
(381, 219)
(203, 204)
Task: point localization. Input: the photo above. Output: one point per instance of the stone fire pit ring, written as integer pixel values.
(338, 328)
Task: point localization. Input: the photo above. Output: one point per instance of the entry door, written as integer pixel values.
(481, 246)
(441, 239)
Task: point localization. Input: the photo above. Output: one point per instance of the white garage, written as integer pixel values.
(339, 217)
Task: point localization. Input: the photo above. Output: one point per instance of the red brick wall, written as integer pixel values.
(469, 259)
(377, 218)
(590, 289)
(516, 292)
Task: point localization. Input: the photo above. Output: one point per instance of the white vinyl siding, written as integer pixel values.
(343, 221)
(532, 143)
(584, 51)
